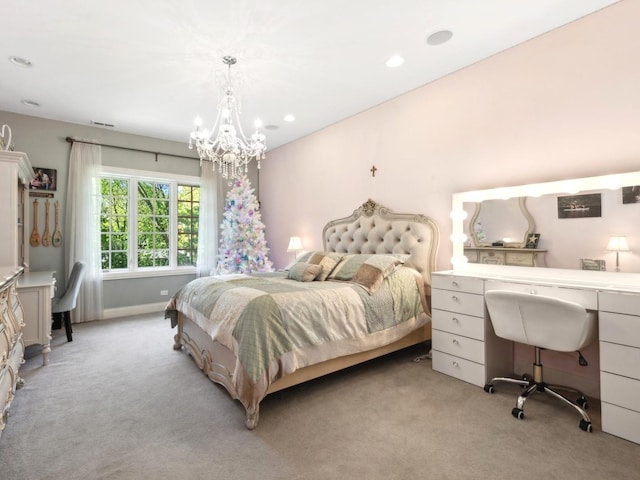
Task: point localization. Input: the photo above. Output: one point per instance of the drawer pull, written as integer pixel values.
(455, 364)
(533, 292)
(454, 298)
(454, 284)
(455, 320)
(455, 342)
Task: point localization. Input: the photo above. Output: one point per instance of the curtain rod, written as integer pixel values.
(72, 140)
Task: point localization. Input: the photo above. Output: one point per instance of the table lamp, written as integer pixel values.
(618, 243)
(295, 246)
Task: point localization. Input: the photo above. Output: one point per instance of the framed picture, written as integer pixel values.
(532, 240)
(590, 264)
(45, 179)
(631, 194)
(580, 206)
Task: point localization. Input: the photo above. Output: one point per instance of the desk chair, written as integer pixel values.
(545, 323)
(63, 305)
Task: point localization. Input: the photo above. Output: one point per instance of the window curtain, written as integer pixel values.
(210, 191)
(82, 227)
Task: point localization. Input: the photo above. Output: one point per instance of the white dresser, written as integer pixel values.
(519, 257)
(465, 347)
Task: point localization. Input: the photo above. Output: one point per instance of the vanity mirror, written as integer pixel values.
(567, 241)
(500, 220)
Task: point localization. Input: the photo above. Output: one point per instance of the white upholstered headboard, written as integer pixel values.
(373, 228)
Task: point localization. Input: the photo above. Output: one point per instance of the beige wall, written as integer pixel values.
(563, 105)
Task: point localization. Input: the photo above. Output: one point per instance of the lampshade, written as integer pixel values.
(618, 243)
(295, 244)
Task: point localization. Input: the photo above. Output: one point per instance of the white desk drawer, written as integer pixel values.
(617, 328)
(619, 390)
(458, 345)
(620, 359)
(458, 284)
(587, 298)
(460, 302)
(628, 303)
(458, 323)
(620, 422)
(460, 368)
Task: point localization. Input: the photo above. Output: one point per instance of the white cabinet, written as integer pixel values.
(463, 345)
(36, 289)
(11, 344)
(15, 174)
(619, 330)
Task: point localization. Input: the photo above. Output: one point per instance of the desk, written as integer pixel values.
(36, 289)
(465, 347)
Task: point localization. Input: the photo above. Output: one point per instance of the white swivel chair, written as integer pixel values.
(545, 323)
(63, 305)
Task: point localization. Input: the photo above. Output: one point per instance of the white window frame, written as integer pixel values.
(173, 180)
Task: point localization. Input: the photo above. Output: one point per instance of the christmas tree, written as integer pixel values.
(243, 248)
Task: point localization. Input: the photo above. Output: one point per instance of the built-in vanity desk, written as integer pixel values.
(465, 347)
(519, 257)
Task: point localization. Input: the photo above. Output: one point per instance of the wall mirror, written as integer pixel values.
(568, 241)
(500, 220)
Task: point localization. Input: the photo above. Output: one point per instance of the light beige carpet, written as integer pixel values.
(119, 403)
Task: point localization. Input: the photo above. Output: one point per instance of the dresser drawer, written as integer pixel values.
(458, 323)
(587, 298)
(619, 390)
(620, 359)
(459, 302)
(617, 328)
(520, 259)
(628, 303)
(458, 284)
(460, 368)
(458, 345)
(492, 258)
(620, 422)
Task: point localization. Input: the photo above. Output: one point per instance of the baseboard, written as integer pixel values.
(133, 310)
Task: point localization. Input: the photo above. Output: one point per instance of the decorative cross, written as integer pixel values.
(373, 171)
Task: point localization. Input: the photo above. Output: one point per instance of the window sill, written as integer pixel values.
(148, 273)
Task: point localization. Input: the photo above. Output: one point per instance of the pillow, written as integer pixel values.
(366, 270)
(327, 260)
(304, 272)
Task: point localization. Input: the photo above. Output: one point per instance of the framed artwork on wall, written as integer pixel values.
(580, 206)
(45, 179)
(631, 194)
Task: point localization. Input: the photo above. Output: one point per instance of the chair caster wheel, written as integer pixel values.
(488, 388)
(586, 426)
(518, 413)
(582, 402)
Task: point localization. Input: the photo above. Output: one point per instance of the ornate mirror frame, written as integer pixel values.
(531, 226)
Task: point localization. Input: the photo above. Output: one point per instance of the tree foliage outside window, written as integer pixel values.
(148, 223)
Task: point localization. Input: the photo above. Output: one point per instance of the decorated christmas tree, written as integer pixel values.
(243, 248)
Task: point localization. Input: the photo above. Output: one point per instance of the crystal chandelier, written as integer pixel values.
(226, 143)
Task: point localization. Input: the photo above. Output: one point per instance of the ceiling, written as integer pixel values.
(148, 67)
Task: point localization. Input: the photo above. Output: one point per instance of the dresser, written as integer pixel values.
(36, 289)
(11, 343)
(465, 347)
(519, 257)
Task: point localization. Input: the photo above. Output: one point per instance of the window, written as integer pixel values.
(148, 223)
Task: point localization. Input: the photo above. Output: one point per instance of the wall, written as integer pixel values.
(44, 142)
(563, 105)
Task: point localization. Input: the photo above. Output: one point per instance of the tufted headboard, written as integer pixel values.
(373, 228)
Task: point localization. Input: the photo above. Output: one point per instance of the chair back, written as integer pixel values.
(541, 321)
(68, 300)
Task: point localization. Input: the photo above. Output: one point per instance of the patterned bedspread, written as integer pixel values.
(264, 317)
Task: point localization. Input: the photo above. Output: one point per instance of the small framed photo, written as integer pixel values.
(580, 206)
(532, 240)
(631, 194)
(591, 264)
(45, 179)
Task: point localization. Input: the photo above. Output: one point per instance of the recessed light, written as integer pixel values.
(394, 61)
(438, 38)
(30, 103)
(289, 118)
(21, 62)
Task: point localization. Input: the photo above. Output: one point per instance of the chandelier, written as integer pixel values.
(226, 144)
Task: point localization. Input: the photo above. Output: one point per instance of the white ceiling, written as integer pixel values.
(150, 66)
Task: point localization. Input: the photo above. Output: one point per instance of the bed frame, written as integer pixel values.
(371, 228)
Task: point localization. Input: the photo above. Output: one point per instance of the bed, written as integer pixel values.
(365, 295)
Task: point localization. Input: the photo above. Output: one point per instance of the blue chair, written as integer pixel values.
(62, 306)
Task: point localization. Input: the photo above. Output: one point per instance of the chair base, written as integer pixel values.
(58, 318)
(537, 385)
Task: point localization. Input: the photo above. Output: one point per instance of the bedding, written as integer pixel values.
(366, 294)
